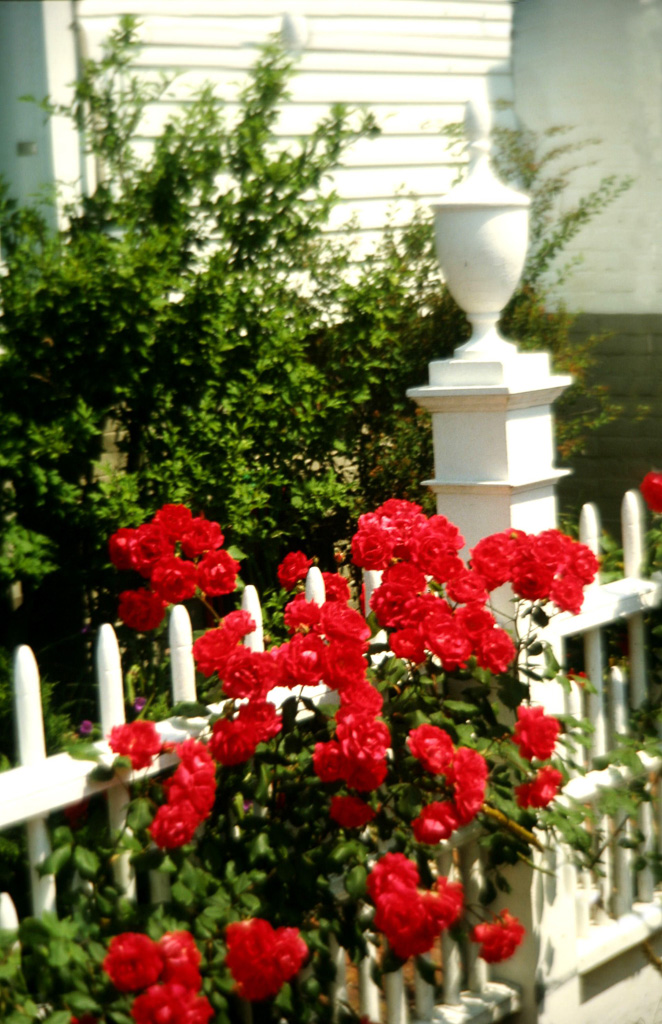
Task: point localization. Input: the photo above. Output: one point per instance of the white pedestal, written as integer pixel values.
(493, 435)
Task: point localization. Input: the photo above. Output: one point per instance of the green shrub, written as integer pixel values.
(215, 342)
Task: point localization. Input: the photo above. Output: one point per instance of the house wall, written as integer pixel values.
(414, 63)
(597, 65)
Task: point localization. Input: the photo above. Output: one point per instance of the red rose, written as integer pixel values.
(195, 778)
(553, 548)
(445, 901)
(350, 812)
(293, 568)
(475, 619)
(432, 747)
(338, 622)
(401, 583)
(301, 614)
(535, 733)
(531, 580)
(468, 776)
(181, 959)
(247, 674)
(328, 761)
(141, 609)
(499, 939)
(467, 587)
(651, 490)
(174, 520)
(567, 593)
(360, 697)
(492, 558)
(233, 741)
(582, 563)
(149, 545)
(449, 640)
(119, 548)
(201, 535)
(261, 959)
(301, 660)
(171, 1004)
(392, 871)
(174, 579)
(363, 743)
(133, 961)
(343, 665)
(336, 587)
(404, 919)
(217, 573)
(542, 790)
(174, 825)
(495, 650)
(372, 546)
(137, 740)
(437, 821)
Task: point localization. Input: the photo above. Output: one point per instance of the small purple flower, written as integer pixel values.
(85, 727)
(139, 704)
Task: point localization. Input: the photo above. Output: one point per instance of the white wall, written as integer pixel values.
(413, 62)
(597, 65)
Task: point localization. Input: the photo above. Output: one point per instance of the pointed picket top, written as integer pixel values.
(27, 702)
(315, 589)
(109, 677)
(182, 666)
(8, 915)
(250, 602)
(632, 520)
(590, 531)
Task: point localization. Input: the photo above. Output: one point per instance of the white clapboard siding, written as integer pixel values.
(414, 63)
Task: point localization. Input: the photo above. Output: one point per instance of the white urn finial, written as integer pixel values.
(481, 237)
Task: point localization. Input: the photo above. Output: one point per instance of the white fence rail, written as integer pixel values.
(614, 910)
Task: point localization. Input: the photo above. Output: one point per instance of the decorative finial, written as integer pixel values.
(477, 128)
(294, 32)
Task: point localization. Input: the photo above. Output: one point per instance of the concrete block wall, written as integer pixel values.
(616, 457)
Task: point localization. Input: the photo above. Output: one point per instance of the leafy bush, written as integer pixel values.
(211, 339)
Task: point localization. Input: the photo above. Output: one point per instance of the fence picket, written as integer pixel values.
(8, 915)
(589, 534)
(368, 988)
(633, 519)
(111, 712)
(182, 667)
(250, 602)
(31, 751)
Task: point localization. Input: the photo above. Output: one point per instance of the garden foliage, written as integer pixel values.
(184, 340)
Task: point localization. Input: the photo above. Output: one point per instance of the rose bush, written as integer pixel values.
(285, 830)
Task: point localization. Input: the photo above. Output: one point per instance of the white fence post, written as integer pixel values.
(111, 709)
(32, 750)
(182, 666)
(250, 602)
(632, 519)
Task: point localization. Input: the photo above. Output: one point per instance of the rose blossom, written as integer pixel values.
(149, 545)
(133, 961)
(336, 587)
(432, 746)
(261, 958)
(350, 811)
(535, 733)
(392, 871)
(174, 579)
(542, 790)
(435, 822)
(293, 568)
(651, 490)
(174, 520)
(174, 824)
(119, 547)
(137, 740)
(217, 573)
(171, 1003)
(201, 535)
(181, 959)
(499, 939)
(141, 609)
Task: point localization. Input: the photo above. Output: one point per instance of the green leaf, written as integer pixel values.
(355, 881)
(84, 751)
(59, 1017)
(460, 706)
(87, 862)
(56, 860)
(102, 773)
(140, 814)
(190, 709)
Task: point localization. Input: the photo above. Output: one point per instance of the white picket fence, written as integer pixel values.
(608, 919)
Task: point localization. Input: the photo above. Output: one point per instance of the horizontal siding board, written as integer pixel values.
(383, 88)
(316, 63)
(215, 33)
(300, 119)
(412, 10)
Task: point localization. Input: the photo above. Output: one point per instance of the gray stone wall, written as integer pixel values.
(618, 455)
